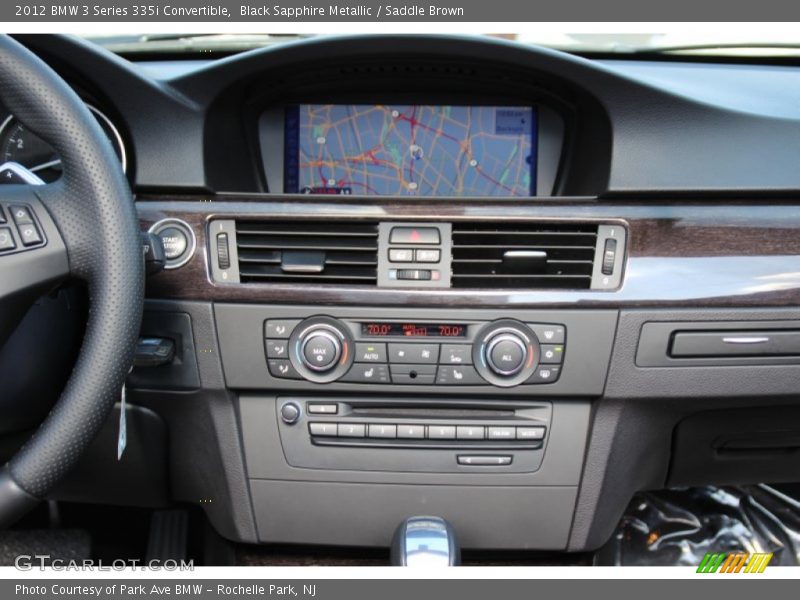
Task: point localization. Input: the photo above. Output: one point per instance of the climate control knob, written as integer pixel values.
(321, 349)
(506, 353)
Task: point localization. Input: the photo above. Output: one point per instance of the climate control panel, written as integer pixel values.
(501, 353)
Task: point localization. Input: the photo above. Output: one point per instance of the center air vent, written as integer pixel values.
(523, 255)
(307, 252)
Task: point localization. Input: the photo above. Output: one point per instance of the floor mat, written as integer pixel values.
(678, 527)
(61, 544)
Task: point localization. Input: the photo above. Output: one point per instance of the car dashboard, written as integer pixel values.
(440, 275)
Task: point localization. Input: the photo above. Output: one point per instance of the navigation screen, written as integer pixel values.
(410, 150)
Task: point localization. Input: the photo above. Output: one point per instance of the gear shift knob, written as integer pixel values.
(425, 542)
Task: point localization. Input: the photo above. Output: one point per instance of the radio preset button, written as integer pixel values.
(441, 432)
(355, 430)
(411, 432)
(383, 431)
(323, 429)
(470, 432)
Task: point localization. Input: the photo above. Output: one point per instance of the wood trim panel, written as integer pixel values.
(679, 254)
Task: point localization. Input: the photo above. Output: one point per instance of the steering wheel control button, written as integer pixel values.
(6, 239)
(530, 433)
(323, 429)
(29, 235)
(316, 408)
(451, 375)
(21, 215)
(321, 350)
(178, 241)
(414, 353)
(414, 235)
(506, 354)
(282, 369)
(277, 349)
(367, 373)
(484, 461)
(370, 353)
(551, 354)
(290, 413)
(280, 328)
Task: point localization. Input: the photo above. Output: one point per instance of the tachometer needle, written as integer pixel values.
(46, 165)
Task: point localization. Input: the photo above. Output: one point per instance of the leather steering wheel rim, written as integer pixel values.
(92, 221)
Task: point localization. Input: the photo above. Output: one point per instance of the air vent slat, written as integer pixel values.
(347, 253)
(523, 255)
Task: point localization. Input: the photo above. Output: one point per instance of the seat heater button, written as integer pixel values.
(323, 429)
(530, 433)
(456, 354)
(366, 373)
(441, 432)
(383, 431)
(467, 375)
(484, 461)
(502, 433)
(411, 432)
(354, 430)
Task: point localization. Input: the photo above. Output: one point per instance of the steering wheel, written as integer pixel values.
(88, 230)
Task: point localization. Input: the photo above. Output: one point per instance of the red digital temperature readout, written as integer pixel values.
(413, 330)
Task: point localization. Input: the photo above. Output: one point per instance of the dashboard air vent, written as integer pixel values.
(523, 255)
(307, 252)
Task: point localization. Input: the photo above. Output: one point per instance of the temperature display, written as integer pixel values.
(413, 330)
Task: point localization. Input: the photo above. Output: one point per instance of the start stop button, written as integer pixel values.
(178, 241)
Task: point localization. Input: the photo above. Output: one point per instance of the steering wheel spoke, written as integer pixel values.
(33, 257)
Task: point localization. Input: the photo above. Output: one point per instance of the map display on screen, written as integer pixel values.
(410, 150)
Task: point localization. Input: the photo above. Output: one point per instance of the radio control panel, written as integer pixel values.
(500, 353)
